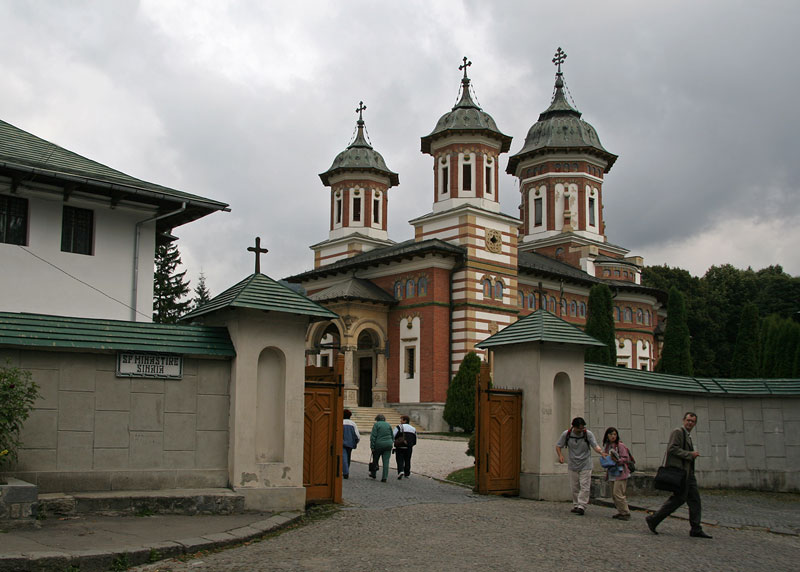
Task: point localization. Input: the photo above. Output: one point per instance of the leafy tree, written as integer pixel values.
(169, 286)
(17, 395)
(459, 409)
(201, 292)
(676, 357)
(745, 355)
(600, 325)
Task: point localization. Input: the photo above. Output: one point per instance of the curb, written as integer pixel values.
(129, 556)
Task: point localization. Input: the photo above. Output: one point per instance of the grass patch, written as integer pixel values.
(463, 476)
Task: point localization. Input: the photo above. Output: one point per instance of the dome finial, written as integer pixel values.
(561, 55)
(464, 67)
(361, 107)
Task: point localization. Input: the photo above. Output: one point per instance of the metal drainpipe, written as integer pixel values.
(135, 305)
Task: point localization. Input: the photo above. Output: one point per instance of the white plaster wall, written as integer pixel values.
(409, 337)
(45, 280)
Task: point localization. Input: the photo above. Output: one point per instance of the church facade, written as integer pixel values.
(409, 312)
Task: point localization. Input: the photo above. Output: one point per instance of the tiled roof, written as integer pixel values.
(663, 382)
(260, 292)
(59, 332)
(25, 155)
(540, 326)
(353, 289)
(533, 263)
(400, 251)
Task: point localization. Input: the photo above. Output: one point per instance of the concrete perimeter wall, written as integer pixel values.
(93, 431)
(744, 442)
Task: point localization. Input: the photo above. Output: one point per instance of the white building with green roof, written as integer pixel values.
(78, 238)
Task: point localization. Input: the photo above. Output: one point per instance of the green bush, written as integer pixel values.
(459, 409)
(17, 396)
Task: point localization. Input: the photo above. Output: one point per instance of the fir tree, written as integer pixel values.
(600, 325)
(745, 354)
(676, 357)
(201, 292)
(169, 286)
(459, 409)
(770, 331)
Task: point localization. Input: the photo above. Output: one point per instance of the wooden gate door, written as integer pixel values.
(322, 439)
(498, 437)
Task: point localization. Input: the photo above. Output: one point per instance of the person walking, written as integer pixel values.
(380, 442)
(580, 441)
(350, 439)
(619, 473)
(681, 454)
(404, 446)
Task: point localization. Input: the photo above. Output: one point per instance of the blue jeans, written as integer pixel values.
(346, 452)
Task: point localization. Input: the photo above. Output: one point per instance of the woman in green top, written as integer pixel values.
(380, 441)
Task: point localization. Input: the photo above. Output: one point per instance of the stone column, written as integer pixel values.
(350, 385)
(381, 388)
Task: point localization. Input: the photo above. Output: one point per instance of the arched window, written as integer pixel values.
(498, 290)
(607, 272)
(553, 306)
(520, 299)
(616, 273)
(582, 310)
(410, 289)
(487, 288)
(422, 286)
(639, 316)
(532, 301)
(573, 309)
(647, 318)
(616, 313)
(563, 306)
(628, 315)
(398, 290)
(559, 253)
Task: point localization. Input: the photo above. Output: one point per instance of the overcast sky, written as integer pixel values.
(246, 102)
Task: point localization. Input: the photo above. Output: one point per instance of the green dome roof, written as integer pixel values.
(560, 128)
(466, 117)
(359, 156)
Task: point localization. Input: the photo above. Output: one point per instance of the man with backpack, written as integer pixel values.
(580, 442)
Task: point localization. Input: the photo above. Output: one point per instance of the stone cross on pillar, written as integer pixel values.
(542, 297)
(258, 251)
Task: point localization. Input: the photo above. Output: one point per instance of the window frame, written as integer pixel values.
(8, 204)
(71, 242)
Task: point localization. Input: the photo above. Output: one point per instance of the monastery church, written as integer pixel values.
(409, 312)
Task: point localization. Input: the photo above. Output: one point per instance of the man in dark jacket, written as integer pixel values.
(681, 454)
(405, 447)
(350, 439)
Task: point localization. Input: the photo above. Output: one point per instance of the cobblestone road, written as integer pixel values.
(423, 524)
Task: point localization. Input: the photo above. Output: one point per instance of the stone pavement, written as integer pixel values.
(422, 523)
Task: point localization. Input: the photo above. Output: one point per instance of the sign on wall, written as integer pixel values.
(130, 364)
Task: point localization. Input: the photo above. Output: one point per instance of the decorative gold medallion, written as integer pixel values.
(494, 240)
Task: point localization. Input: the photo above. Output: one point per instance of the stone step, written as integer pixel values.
(142, 503)
(364, 418)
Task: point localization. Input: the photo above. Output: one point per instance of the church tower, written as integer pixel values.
(560, 170)
(359, 181)
(465, 146)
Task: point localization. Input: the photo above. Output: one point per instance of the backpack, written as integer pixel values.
(571, 436)
(400, 440)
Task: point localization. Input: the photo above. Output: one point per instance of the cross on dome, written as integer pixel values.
(361, 107)
(561, 55)
(258, 251)
(465, 65)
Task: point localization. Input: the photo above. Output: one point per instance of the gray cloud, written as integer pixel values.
(246, 102)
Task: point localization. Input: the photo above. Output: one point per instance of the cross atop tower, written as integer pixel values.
(561, 55)
(361, 107)
(464, 66)
(258, 251)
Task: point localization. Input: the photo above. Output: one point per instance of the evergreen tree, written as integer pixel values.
(770, 331)
(600, 325)
(745, 355)
(169, 286)
(459, 409)
(788, 340)
(676, 357)
(201, 292)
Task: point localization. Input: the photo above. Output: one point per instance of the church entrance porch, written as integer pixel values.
(365, 382)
